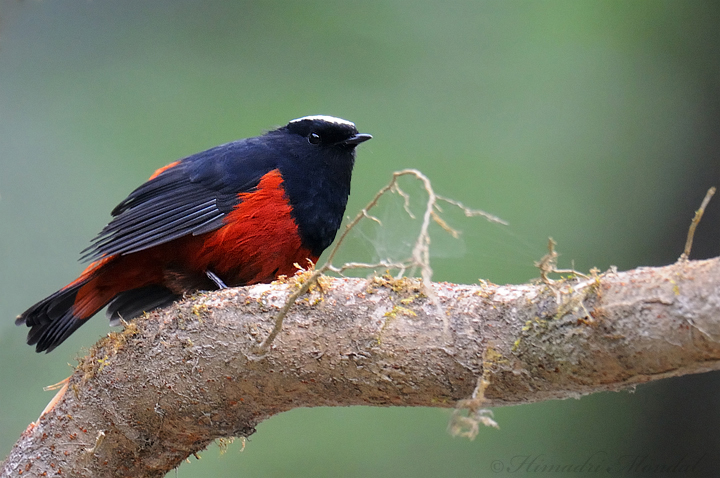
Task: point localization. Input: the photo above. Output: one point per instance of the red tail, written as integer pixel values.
(54, 318)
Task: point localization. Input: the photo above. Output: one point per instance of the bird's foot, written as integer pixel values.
(218, 282)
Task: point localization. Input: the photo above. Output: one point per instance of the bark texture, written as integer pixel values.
(172, 382)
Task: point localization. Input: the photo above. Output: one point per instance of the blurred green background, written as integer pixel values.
(596, 123)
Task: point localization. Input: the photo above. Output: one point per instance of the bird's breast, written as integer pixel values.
(259, 239)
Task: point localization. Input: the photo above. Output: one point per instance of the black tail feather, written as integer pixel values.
(51, 320)
(134, 302)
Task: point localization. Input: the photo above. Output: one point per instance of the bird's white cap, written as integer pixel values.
(327, 119)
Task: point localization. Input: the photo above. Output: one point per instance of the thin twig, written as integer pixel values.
(472, 212)
(571, 271)
(406, 199)
(420, 256)
(362, 265)
(265, 345)
(695, 221)
(548, 262)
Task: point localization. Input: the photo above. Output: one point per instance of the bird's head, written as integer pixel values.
(319, 146)
(327, 132)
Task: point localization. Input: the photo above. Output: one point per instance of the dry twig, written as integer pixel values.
(419, 258)
(695, 221)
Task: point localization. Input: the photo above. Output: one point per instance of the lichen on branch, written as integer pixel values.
(365, 342)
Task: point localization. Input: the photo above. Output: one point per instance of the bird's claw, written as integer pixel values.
(218, 282)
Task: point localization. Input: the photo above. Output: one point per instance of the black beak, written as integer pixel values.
(357, 139)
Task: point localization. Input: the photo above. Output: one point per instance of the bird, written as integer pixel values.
(237, 214)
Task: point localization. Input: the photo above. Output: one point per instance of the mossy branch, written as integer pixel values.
(366, 342)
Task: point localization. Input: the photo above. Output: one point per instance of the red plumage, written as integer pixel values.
(249, 238)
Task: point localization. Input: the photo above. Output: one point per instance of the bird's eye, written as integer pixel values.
(314, 138)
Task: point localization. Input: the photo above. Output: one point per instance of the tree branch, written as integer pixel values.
(172, 382)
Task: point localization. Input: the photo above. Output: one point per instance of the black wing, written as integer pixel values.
(191, 197)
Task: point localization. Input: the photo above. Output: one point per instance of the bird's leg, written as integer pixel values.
(218, 282)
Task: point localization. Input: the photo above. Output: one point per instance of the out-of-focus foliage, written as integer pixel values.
(597, 123)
